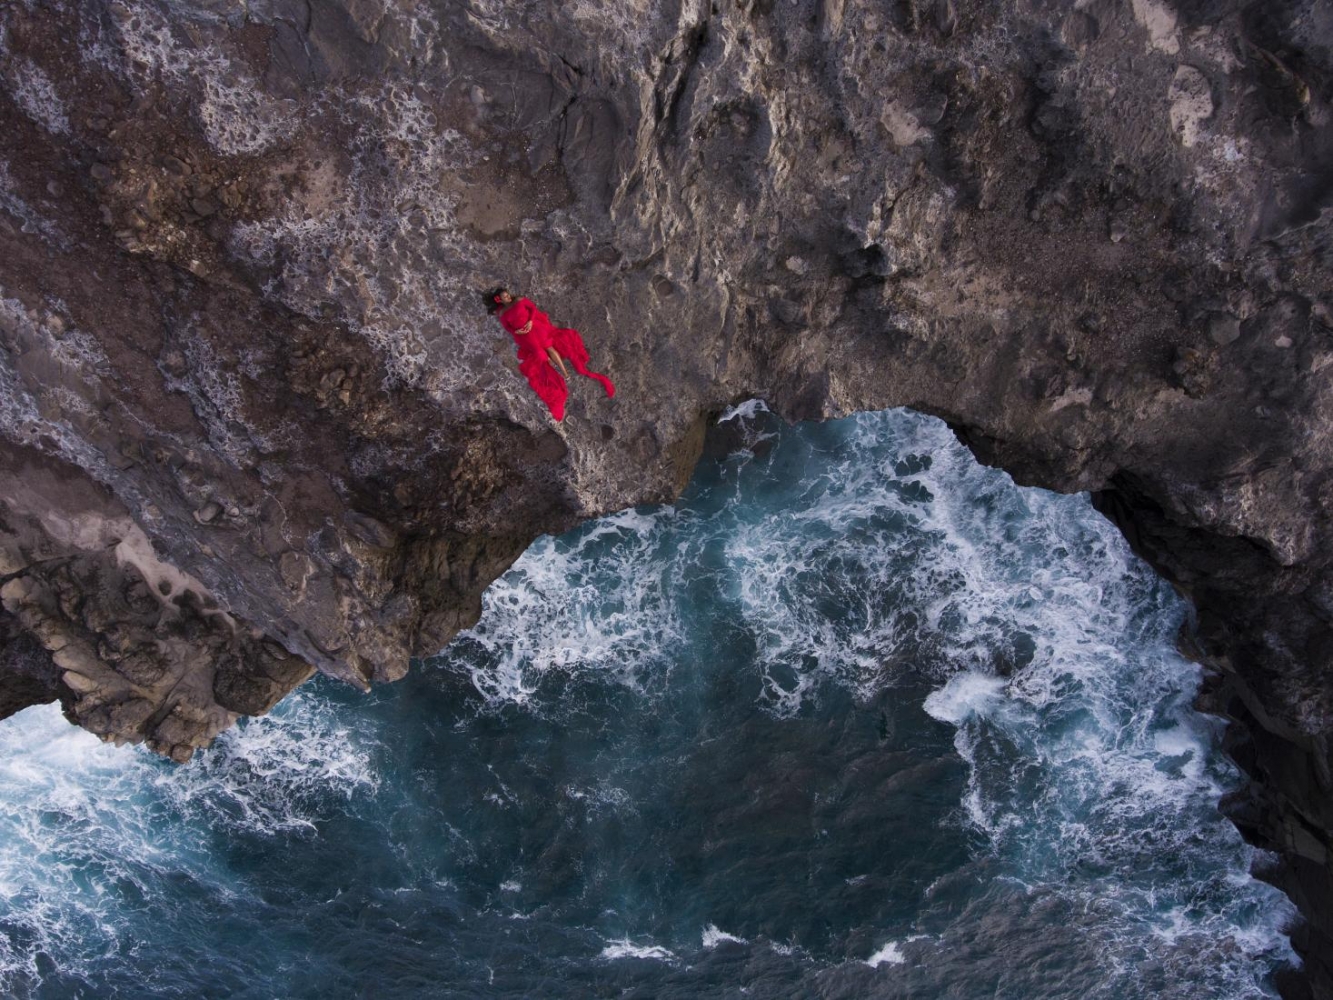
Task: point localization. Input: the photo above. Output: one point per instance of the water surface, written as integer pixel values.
(857, 718)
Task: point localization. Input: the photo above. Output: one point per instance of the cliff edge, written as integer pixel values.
(254, 421)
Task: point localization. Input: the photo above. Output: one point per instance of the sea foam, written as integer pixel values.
(624, 948)
(886, 551)
(965, 696)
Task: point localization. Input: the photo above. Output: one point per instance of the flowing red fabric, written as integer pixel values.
(533, 361)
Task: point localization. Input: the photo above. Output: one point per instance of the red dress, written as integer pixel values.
(533, 361)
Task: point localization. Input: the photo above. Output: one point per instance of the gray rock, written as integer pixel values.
(1223, 329)
(208, 513)
(888, 204)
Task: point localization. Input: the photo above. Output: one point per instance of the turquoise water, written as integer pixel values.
(857, 718)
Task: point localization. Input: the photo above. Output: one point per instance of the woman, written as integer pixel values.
(542, 347)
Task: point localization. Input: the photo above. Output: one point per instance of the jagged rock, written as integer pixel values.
(208, 513)
(833, 206)
(1191, 103)
(1223, 329)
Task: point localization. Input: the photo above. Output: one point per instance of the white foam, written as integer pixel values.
(603, 797)
(539, 617)
(1088, 772)
(712, 937)
(624, 948)
(88, 821)
(282, 771)
(890, 954)
(965, 696)
(747, 410)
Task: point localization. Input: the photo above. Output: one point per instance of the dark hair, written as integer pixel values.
(491, 305)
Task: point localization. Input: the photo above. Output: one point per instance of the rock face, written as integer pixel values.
(254, 421)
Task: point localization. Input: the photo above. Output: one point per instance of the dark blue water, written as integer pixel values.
(857, 718)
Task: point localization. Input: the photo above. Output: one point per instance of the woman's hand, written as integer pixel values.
(526, 327)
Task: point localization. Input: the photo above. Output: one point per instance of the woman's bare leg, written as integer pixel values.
(558, 361)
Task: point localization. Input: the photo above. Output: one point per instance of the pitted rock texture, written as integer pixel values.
(254, 421)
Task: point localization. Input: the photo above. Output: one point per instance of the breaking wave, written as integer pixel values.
(896, 725)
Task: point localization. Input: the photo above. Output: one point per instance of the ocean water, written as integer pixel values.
(857, 718)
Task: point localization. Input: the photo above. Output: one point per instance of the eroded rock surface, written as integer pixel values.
(254, 422)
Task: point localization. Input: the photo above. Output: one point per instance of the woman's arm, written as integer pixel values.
(513, 319)
(526, 308)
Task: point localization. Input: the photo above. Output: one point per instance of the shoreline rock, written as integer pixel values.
(253, 422)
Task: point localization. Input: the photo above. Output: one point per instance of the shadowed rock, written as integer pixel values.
(253, 423)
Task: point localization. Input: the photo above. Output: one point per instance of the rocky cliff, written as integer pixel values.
(254, 421)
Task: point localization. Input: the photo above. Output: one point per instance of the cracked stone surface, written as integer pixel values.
(254, 421)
